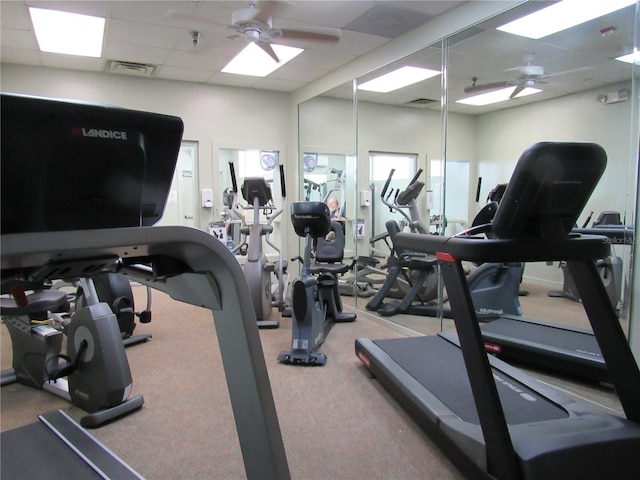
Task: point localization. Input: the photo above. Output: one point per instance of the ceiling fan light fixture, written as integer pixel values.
(496, 96)
(562, 15)
(254, 61)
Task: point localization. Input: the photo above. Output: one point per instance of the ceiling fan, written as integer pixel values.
(254, 24)
(531, 76)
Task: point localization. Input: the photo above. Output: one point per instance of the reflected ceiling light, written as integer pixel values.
(67, 33)
(399, 78)
(562, 15)
(255, 62)
(496, 96)
(632, 58)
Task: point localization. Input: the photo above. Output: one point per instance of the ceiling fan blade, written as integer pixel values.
(327, 34)
(267, 48)
(487, 86)
(517, 90)
(573, 70)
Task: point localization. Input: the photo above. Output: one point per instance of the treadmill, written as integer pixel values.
(491, 419)
(561, 348)
(82, 186)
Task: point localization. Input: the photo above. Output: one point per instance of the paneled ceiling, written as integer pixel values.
(158, 35)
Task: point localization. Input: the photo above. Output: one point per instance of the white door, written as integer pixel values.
(181, 203)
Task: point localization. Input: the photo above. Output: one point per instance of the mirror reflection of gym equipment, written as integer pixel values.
(331, 176)
(482, 410)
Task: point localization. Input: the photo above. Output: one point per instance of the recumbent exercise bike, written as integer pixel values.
(316, 302)
(93, 375)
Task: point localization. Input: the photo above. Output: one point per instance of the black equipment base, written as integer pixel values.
(553, 436)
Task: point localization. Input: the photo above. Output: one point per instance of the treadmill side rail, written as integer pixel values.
(191, 266)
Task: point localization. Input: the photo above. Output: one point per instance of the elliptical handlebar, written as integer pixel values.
(274, 215)
(234, 182)
(386, 184)
(234, 207)
(411, 192)
(416, 176)
(283, 188)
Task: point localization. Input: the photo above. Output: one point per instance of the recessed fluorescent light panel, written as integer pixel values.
(562, 15)
(68, 33)
(496, 96)
(633, 58)
(255, 62)
(398, 79)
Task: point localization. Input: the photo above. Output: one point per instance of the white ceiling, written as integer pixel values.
(158, 33)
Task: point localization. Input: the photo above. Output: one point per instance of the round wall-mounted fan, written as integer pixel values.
(531, 75)
(254, 24)
(268, 160)
(309, 162)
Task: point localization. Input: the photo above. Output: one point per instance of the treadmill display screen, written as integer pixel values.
(69, 165)
(548, 190)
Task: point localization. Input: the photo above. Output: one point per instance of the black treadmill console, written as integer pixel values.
(549, 188)
(69, 165)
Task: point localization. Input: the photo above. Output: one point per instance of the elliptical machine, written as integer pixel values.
(415, 277)
(93, 375)
(257, 269)
(316, 303)
(494, 287)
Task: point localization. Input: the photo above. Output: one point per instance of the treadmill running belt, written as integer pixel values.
(34, 451)
(520, 403)
(546, 336)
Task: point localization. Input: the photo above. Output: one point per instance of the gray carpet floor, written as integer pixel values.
(337, 422)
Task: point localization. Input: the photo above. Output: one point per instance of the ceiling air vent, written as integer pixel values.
(131, 68)
(421, 102)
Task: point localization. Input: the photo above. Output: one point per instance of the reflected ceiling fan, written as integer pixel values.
(531, 75)
(254, 24)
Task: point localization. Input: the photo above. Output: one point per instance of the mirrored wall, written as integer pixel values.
(327, 160)
(568, 86)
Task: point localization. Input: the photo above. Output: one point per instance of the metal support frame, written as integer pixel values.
(202, 272)
(501, 458)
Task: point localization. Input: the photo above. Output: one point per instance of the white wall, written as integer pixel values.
(326, 125)
(217, 116)
(214, 116)
(503, 135)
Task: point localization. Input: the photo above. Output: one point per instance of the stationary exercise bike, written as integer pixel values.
(94, 374)
(610, 268)
(257, 269)
(316, 303)
(114, 289)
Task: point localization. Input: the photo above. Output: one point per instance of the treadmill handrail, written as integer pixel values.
(507, 250)
(192, 267)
